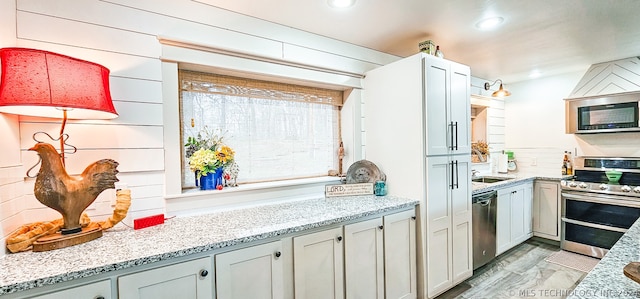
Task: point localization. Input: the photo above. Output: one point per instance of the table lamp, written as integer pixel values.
(45, 84)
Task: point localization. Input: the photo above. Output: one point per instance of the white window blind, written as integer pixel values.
(278, 131)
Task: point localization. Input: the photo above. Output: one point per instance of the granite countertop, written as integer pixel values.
(607, 280)
(514, 178)
(123, 247)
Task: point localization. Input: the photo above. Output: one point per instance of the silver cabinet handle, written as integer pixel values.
(456, 131)
(451, 145)
(457, 174)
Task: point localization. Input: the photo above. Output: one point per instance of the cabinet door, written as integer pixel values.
(436, 91)
(192, 279)
(518, 212)
(438, 226)
(101, 289)
(255, 272)
(528, 211)
(364, 259)
(546, 208)
(400, 256)
(318, 265)
(521, 216)
(503, 221)
(447, 106)
(460, 107)
(462, 246)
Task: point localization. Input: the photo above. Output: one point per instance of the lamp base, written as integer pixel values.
(58, 240)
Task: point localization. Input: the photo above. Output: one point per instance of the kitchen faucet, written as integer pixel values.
(474, 172)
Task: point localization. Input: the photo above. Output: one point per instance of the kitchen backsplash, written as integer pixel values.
(540, 161)
(11, 195)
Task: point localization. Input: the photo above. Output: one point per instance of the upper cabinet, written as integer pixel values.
(447, 106)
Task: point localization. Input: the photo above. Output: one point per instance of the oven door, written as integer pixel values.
(592, 223)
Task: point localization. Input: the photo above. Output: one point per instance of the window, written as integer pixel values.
(278, 131)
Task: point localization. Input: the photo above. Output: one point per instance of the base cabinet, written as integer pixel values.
(96, 290)
(364, 259)
(380, 257)
(318, 265)
(255, 272)
(400, 256)
(546, 209)
(514, 223)
(191, 279)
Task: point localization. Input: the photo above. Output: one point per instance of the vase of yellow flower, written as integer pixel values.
(208, 155)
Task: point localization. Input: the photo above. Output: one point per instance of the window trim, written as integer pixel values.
(175, 56)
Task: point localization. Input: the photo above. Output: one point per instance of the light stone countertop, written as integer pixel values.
(516, 178)
(607, 279)
(122, 247)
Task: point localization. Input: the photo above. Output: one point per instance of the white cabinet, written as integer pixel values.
(191, 279)
(447, 106)
(380, 257)
(514, 219)
(96, 290)
(318, 265)
(449, 234)
(400, 256)
(546, 209)
(364, 259)
(255, 272)
(417, 115)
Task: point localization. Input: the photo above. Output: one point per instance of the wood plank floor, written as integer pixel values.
(520, 272)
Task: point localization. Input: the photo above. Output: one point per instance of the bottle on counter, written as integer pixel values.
(569, 164)
(565, 160)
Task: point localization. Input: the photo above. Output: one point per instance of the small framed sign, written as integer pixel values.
(348, 189)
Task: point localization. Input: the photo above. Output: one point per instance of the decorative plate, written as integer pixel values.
(364, 171)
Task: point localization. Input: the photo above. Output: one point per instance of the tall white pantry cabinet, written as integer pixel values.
(417, 123)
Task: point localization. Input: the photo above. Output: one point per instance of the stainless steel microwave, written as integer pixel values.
(602, 114)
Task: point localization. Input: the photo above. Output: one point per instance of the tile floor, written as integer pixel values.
(520, 272)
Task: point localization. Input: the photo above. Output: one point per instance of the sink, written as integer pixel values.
(488, 180)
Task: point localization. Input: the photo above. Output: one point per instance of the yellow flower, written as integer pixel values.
(224, 154)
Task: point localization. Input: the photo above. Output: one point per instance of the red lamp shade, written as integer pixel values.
(36, 82)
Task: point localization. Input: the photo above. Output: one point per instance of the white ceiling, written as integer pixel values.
(550, 36)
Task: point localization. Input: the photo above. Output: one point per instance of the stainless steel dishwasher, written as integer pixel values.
(484, 227)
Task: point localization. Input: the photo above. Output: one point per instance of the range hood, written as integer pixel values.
(609, 83)
(607, 78)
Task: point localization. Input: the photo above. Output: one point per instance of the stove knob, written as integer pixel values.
(573, 184)
(636, 189)
(625, 188)
(583, 185)
(603, 187)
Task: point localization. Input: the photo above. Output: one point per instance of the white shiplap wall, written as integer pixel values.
(124, 37)
(10, 166)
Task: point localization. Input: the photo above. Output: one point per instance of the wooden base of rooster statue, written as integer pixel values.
(70, 195)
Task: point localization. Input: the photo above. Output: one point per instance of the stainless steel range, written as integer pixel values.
(595, 211)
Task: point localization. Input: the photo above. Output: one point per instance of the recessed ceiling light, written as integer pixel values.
(489, 23)
(534, 74)
(341, 3)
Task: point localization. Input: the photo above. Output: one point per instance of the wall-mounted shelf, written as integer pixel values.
(480, 100)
